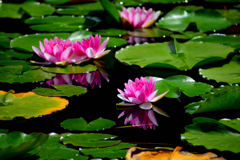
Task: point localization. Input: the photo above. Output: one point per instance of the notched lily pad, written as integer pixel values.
(17, 143)
(89, 139)
(70, 69)
(111, 32)
(80, 124)
(28, 105)
(153, 32)
(16, 74)
(61, 90)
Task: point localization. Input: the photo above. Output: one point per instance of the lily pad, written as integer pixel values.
(233, 123)
(231, 15)
(80, 124)
(230, 40)
(89, 139)
(26, 42)
(61, 90)
(17, 54)
(182, 56)
(212, 134)
(117, 151)
(149, 32)
(224, 98)
(4, 41)
(111, 32)
(21, 105)
(188, 35)
(109, 7)
(53, 141)
(114, 41)
(205, 19)
(70, 69)
(13, 74)
(79, 35)
(179, 83)
(25, 64)
(17, 143)
(229, 73)
(56, 1)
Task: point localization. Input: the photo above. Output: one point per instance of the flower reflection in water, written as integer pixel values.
(139, 40)
(138, 97)
(85, 79)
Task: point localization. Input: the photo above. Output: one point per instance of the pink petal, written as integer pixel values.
(159, 96)
(57, 52)
(146, 105)
(136, 20)
(152, 95)
(139, 95)
(134, 100)
(38, 52)
(42, 47)
(90, 52)
(152, 117)
(103, 45)
(122, 97)
(66, 54)
(99, 55)
(50, 58)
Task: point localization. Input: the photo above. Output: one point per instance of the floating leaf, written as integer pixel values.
(12, 74)
(80, 124)
(25, 64)
(231, 15)
(212, 135)
(108, 6)
(53, 141)
(188, 35)
(17, 54)
(180, 56)
(226, 98)
(205, 19)
(11, 10)
(56, 1)
(111, 32)
(89, 139)
(17, 143)
(149, 32)
(189, 8)
(61, 90)
(28, 105)
(230, 40)
(117, 151)
(26, 42)
(10, 35)
(79, 35)
(70, 69)
(114, 41)
(183, 83)
(233, 123)
(4, 41)
(229, 73)
(3, 131)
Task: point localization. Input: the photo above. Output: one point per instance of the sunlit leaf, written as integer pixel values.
(231, 15)
(17, 143)
(10, 35)
(13, 74)
(224, 98)
(70, 69)
(189, 8)
(233, 123)
(17, 54)
(80, 124)
(229, 73)
(26, 42)
(56, 1)
(79, 35)
(11, 10)
(212, 135)
(114, 41)
(108, 6)
(187, 55)
(205, 19)
(149, 32)
(25, 65)
(111, 32)
(117, 151)
(61, 90)
(4, 41)
(188, 35)
(28, 105)
(183, 83)
(89, 139)
(53, 141)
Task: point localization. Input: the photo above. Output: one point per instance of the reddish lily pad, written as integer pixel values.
(28, 105)
(80, 124)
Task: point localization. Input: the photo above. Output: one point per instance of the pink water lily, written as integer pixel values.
(139, 17)
(91, 48)
(139, 95)
(57, 51)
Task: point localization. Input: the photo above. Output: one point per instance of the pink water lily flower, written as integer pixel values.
(91, 48)
(139, 17)
(139, 96)
(57, 51)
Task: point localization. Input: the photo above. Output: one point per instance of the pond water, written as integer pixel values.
(173, 33)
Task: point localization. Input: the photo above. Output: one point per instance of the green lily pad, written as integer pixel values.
(26, 42)
(149, 32)
(79, 35)
(80, 124)
(12, 74)
(17, 54)
(3, 131)
(4, 41)
(80, 9)
(21, 105)
(162, 1)
(17, 143)
(109, 7)
(56, 1)
(16, 10)
(212, 135)
(89, 139)
(205, 19)
(56, 27)
(53, 141)
(183, 83)
(233, 123)
(111, 32)
(229, 73)
(10, 35)
(61, 90)
(117, 151)
(189, 8)
(231, 15)
(114, 41)
(226, 98)
(230, 40)
(188, 35)
(182, 56)
(126, 3)
(25, 64)
(70, 69)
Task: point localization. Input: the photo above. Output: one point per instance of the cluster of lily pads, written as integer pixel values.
(166, 46)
